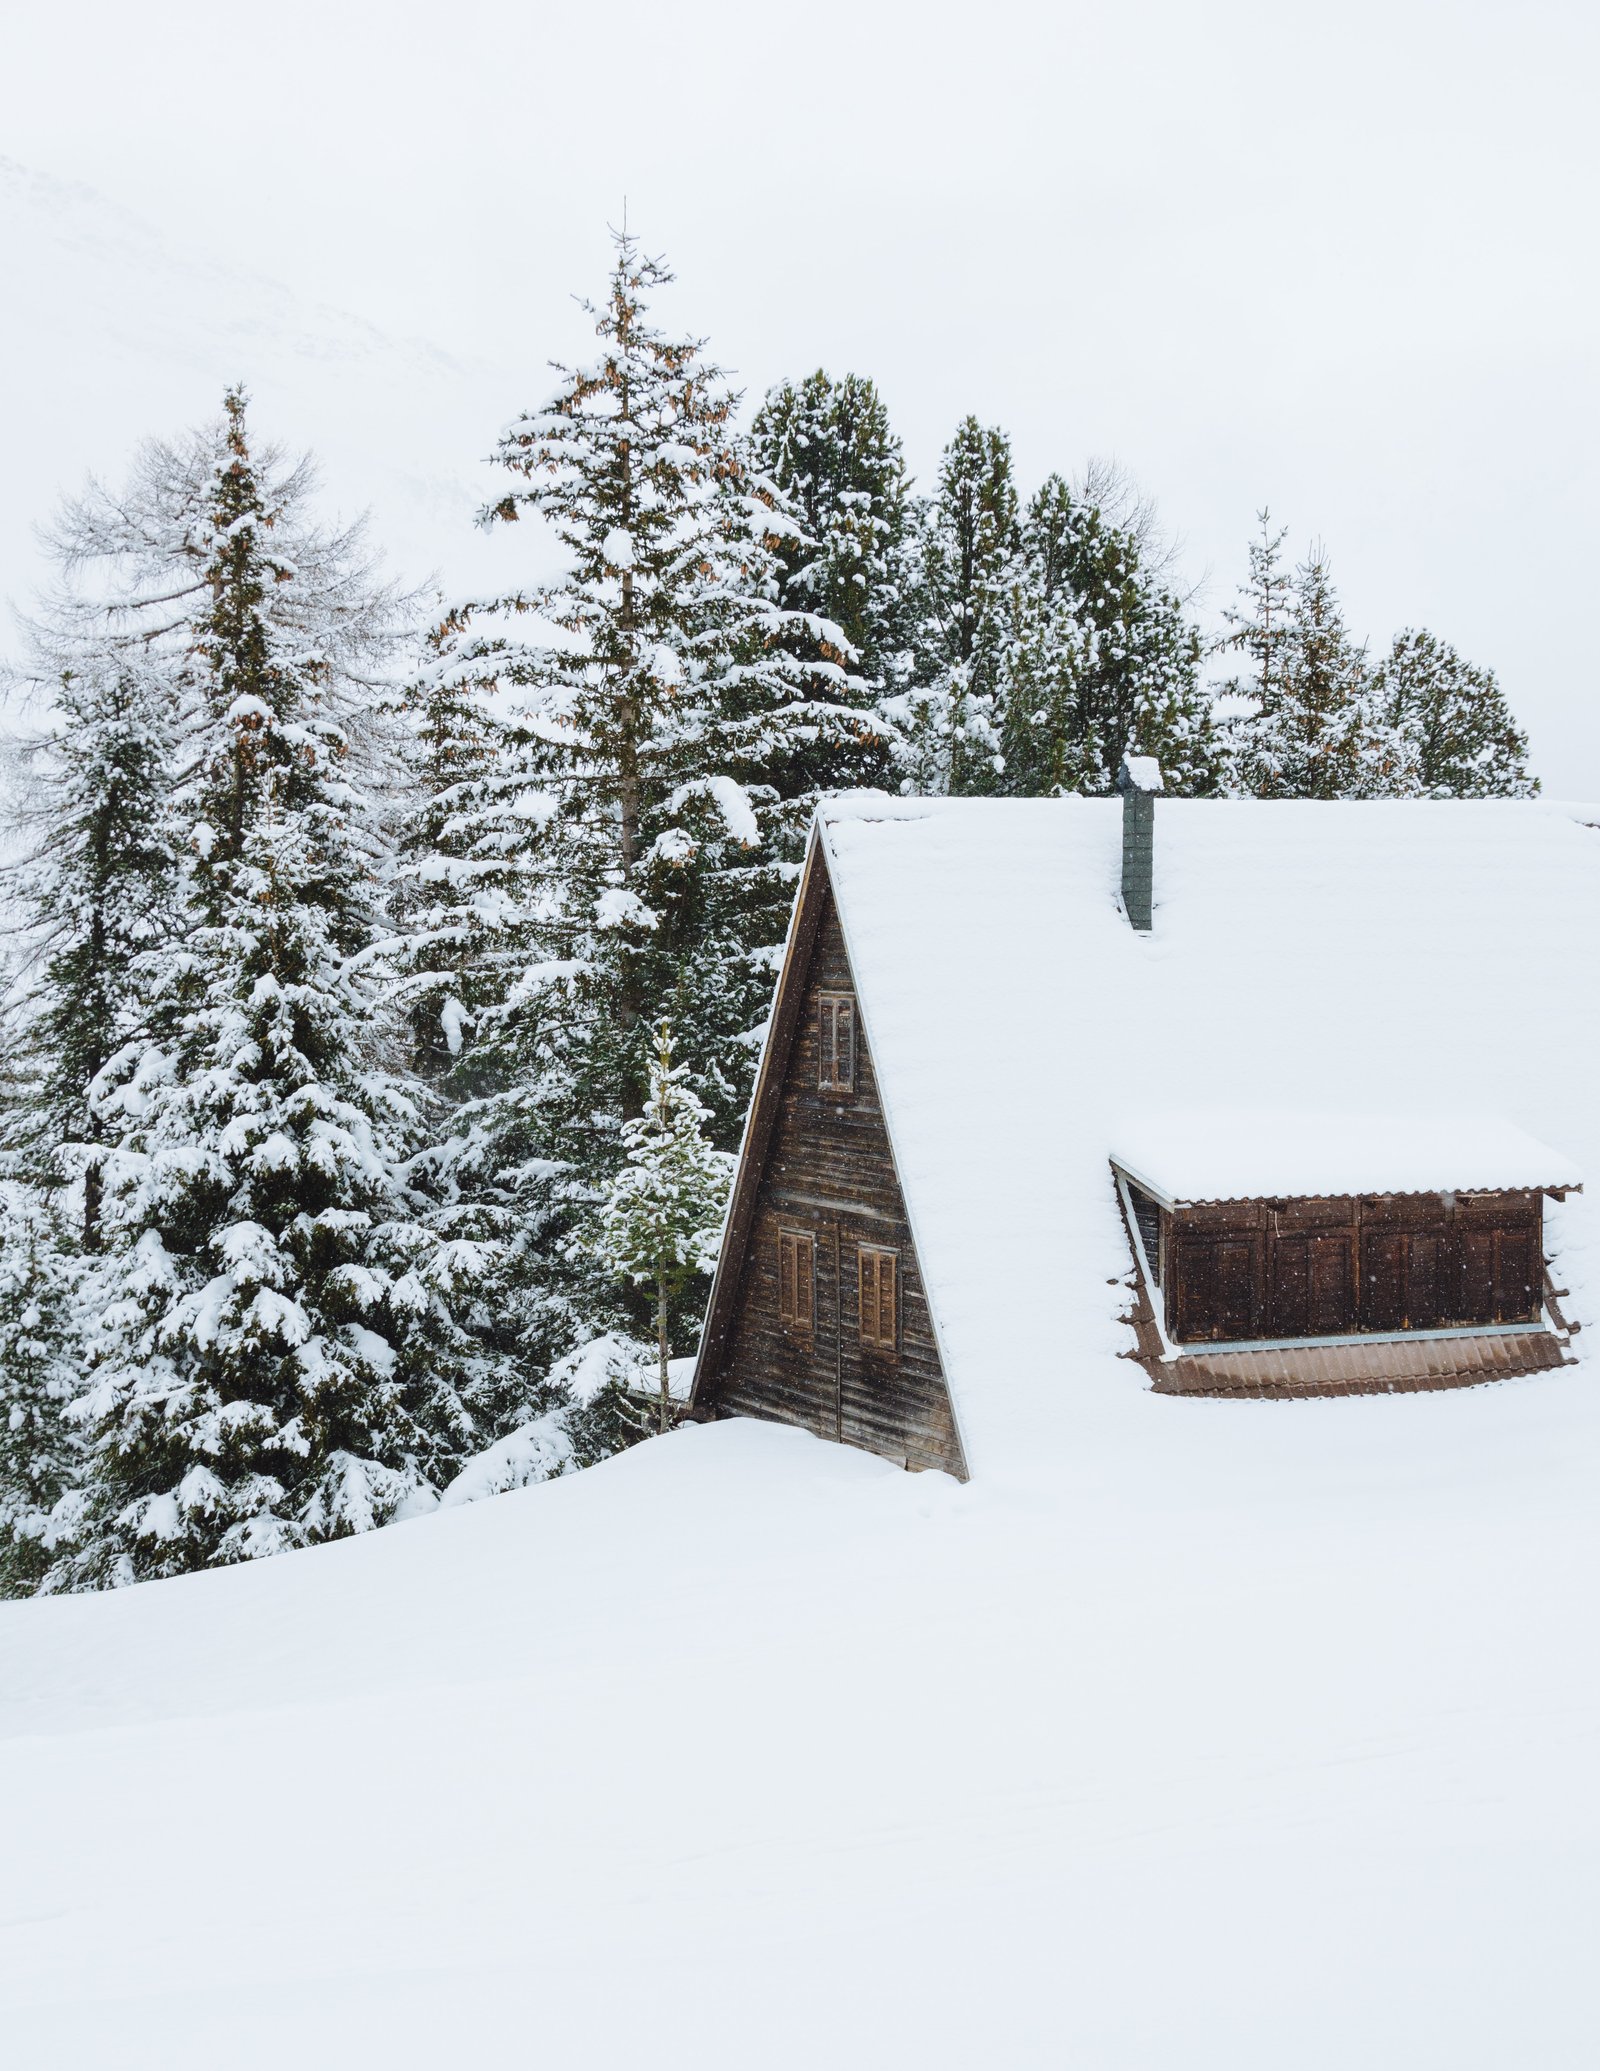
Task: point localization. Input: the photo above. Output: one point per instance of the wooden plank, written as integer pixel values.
(819, 1156)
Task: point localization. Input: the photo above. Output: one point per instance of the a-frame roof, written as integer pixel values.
(1431, 961)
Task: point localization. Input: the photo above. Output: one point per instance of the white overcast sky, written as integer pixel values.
(1338, 259)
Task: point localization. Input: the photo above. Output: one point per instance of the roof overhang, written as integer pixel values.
(1191, 1158)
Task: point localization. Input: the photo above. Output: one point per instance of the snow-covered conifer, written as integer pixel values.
(95, 891)
(1101, 661)
(667, 714)
(279, 1355)
(661, 1218)
(829, 448)
(1307, 731)
(950, 716)
(1454, 732)
(39, 1449)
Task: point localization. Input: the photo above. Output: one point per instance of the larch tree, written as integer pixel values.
(280, 1355)
(1454, 734)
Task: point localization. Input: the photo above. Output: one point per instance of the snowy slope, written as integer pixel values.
(1190, 1733)
(113, 334)
(1245, 1735)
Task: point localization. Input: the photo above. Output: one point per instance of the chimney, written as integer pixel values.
(1139, 779)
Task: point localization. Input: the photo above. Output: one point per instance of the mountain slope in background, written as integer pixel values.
(113, 335)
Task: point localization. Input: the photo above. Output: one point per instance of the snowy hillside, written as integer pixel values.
(126, 336)
(1235, 1735)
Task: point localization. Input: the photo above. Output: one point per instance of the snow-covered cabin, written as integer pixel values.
(1296, 1135)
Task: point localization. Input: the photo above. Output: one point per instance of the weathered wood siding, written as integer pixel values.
(1327, 1268)
(829, 1172)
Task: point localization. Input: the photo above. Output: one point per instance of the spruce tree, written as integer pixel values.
(950, 716)
(39, 1450)
(1453, 732)
(279, 1356)
(97, 886)
(1259, 625)
(1307, 730)
(667, 728)
(660, 1222)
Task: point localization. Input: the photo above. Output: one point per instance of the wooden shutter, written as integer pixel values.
(1477, 1276)
(797, 1280)
(1290, 1312)
(1216, 1295)
(1331, 1293)
(844, 1045)
(878, 1296)
(1516, 1292)
(836, 1042)
(1383, 1279)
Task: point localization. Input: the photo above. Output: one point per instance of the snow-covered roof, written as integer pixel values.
(1354, 961)
(1241, 1154)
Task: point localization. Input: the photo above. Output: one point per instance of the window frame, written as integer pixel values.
(830, 1005)
(884, 1256)
(799, 1318)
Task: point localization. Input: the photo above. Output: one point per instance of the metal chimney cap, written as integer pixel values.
(1139, 773)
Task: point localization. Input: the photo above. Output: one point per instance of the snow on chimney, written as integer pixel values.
(1139, 779)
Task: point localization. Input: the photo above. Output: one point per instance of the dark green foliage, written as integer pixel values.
(636, 826)
(40, 1453)
(828, 448)
(1310, 731)
(1102, 660)
(1453, 730)
(950, 717)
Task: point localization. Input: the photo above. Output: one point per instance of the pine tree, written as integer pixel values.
(660, 1222)
(1102, 660)
(653, 779)
(1453, 731)
(280, 1355)
(828, 447)
(39, 1450)
(950, 716)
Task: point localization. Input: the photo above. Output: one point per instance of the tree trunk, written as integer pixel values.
(661, 1340)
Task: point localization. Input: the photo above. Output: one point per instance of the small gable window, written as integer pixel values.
(797, 1281)
(836, 1030)
(878, 1281)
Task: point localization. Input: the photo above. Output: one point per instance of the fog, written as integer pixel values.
(1335, 261)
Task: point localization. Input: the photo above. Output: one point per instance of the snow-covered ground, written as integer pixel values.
(1233, 1734)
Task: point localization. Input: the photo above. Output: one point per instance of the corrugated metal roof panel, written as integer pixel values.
(1361, 1368)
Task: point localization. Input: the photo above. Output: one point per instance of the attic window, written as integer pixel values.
(797, 1278)
(836, 1044)
(878, 1281)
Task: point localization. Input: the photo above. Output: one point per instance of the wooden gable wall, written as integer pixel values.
(818, 1164)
